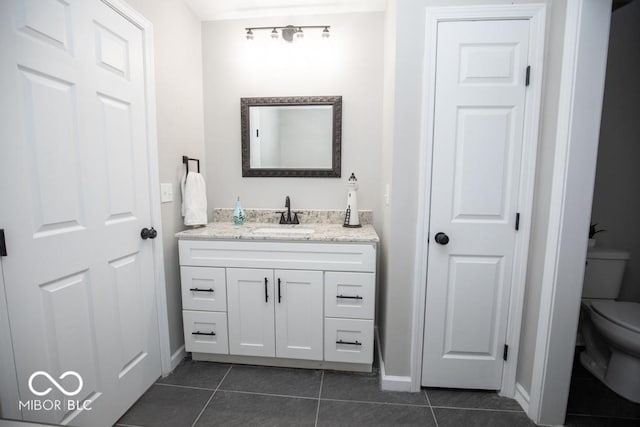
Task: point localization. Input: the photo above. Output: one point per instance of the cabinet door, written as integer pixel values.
(250, 312)
(298, 300)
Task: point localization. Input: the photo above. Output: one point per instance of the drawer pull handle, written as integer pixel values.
(266, 294)
(201, 290)
(203, 333)
(356, 342)
(349, 297)
(279, 292)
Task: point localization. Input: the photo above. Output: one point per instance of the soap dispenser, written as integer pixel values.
(238, 213)
(351, 216)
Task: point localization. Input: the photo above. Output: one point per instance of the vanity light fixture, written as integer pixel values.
(288, 31)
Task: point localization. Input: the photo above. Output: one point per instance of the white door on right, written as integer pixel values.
(477, 146)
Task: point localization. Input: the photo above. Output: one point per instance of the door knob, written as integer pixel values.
(148, 233)
(442, 238)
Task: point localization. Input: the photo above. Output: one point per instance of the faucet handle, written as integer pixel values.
(295, 217)
(282, 218)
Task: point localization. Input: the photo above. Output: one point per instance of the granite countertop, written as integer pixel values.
(322, 232)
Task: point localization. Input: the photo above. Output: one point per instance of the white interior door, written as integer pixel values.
(250, 299)
(298, 314)
(74, 179)
(477, 148)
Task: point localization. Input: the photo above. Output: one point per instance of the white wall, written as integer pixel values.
(388, 106)
(349, 64)
(616, 201)
(398, 256)
(178, 73)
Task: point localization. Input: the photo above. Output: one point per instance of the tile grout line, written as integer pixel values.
(269, 394)
(211, 397)
(433, 414)
(186, 386)
(319, 397)
(515, 411)
(375, 403)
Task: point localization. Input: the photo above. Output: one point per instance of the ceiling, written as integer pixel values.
(213, 10)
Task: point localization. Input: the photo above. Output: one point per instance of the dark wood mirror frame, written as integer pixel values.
(334, 101)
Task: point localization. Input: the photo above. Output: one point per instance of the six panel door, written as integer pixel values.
(477, 149)
(74, 170)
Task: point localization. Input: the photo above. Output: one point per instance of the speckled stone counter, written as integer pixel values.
(315, 216)
(322, 232)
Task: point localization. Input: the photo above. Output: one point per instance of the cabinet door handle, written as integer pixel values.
(356, 342)
(201, 290)
(349, 297)
(203, 333)
(279, 292)
(266, 295)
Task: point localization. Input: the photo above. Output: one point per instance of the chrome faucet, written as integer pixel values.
(288, 219)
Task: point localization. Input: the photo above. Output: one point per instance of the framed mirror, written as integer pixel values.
(298, 136)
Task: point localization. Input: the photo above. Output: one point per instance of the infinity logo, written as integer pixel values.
(55, 383)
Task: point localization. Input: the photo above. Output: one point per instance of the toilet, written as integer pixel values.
(610, 329)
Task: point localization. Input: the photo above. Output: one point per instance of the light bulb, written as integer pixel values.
(299, 34)
(274, 34)
(249, 34)
(325, 33)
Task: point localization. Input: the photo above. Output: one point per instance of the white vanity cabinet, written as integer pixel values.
(287, 303)
(275, 313)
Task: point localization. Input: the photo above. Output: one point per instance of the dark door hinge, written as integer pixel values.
(505, 352)
(528, 77)
(3, 244)
(517, 221)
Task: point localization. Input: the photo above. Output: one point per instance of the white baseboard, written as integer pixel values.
(177, 357)
(390, 382)
(522, 397)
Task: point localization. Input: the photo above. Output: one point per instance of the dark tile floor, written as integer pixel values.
(215, 394)
(592, 404)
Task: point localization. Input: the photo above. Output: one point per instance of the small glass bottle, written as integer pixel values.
(238, 214)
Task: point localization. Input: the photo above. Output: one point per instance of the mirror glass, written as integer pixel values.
(294, 136)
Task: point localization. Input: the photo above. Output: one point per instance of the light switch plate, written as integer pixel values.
(166, 192)
(387, 194)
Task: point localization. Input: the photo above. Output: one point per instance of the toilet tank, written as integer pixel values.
(603, 273)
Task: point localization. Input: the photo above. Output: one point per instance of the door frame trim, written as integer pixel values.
(584, 62)
(146, 28)
(536, 14)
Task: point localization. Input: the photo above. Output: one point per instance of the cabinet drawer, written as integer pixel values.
(350, 295)
(203, 288)
(348, 340)
(199, 330)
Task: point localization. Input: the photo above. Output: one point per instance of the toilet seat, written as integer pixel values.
(622, 313)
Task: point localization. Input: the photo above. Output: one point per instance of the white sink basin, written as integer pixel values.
(283, 230)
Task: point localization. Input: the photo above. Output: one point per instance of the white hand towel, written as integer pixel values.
(194, 199)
